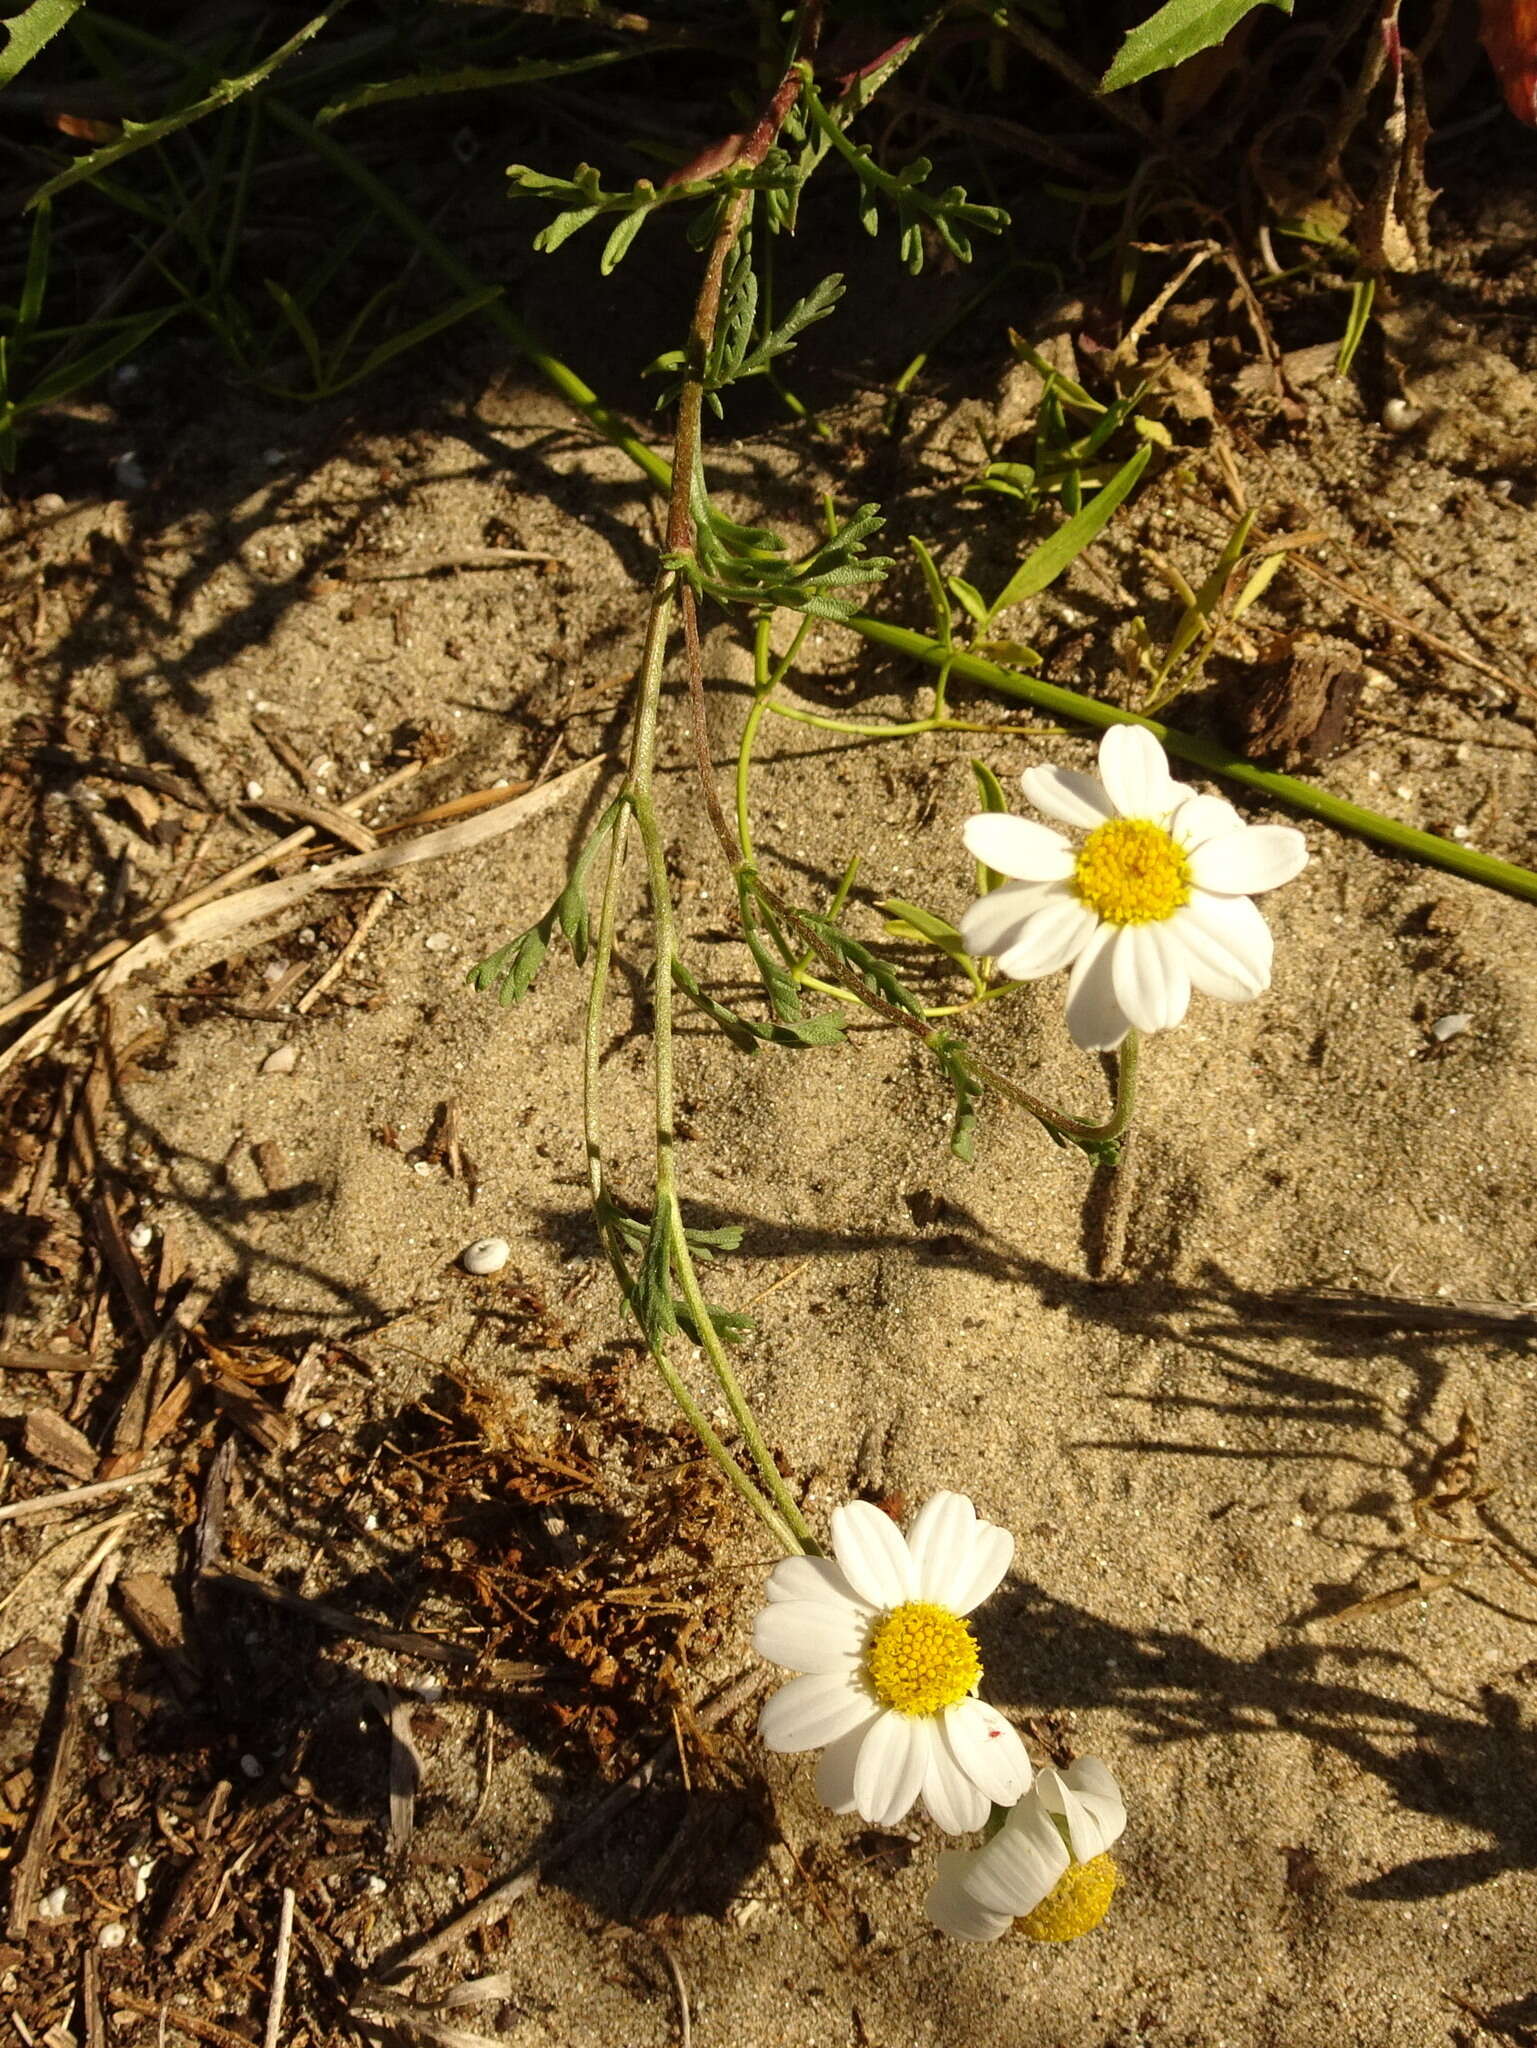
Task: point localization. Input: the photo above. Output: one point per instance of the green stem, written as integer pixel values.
(886, 729)
(637, 789)
(1214, 758)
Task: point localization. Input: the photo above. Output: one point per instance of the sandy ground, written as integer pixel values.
(1331, 1835)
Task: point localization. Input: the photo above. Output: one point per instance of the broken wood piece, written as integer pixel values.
(327, 818)
(433, 1649)
(274, 2032)
(27, 1882)
(14, 1359)
(149, 1602)
(49, 1440)
(122, 1264)
(374, 910)
(405, 1772)
(75, 1496)
(267, 1427)
(105, 768)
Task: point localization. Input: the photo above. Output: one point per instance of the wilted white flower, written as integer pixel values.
(891, 1666)
(1047, 1868)
(1154, 903)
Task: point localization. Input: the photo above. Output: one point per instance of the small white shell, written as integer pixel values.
(112, 1935)
(1451, 1027)
(141, 1237)
(282, 1060)
(1399, 416)
(485, 1255)
(437, 942)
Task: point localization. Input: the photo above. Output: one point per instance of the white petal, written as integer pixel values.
(810, 1578)
(1094, 1017)
(1089, 1801)
(1067, 795)
(939, 1543)
(836, 1765)
(993, 920)
(952, 1908)
(1020, 1866)
(893, 1763)
(811, 1711)
(810, 1635)
(1200, 818)
(988, 1749)
(1226, 944)
(1149, 978)
(954, 1803)
(874, 1558)
(1052, 939)
(992, 1552)
(1018, 847)
(959, 1558)
(1245, 862)
(1135, 772)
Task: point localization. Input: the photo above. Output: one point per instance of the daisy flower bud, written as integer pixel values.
(891, 1666)
(1047, 1871)
(1154, 903)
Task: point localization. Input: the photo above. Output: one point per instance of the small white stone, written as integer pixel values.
(423, 1167)
(325, 1419)
(376, 1886)
(112, 1935)
(255, 791)
(282, 1060)
(437, 942)
(46, 503)
(251, 1765)
(485, 1255)
(52, 1905)
(1451, 1027)
(141, 1237)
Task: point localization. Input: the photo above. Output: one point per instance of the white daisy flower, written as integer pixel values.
(891, 1666)
(1048, 1868)
(1154, 903)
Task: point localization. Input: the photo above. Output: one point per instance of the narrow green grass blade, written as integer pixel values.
(1047, 562)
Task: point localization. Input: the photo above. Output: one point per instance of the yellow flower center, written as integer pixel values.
(1079, 1901)
(1131, 872)
(922, 1659)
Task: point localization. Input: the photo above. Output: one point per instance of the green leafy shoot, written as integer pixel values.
(582, 200)
(746, 1033)
(867, 968)
(512, 968)
(990, 792)
(137, 135)
(1179, 30)
(1362, 294)
(473, 78)
(911, 924)
(1046, 563)
(950, 213)
(951, 1055)
(28, 31)
(749, 565)
(647, 1242)
(736, 353)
